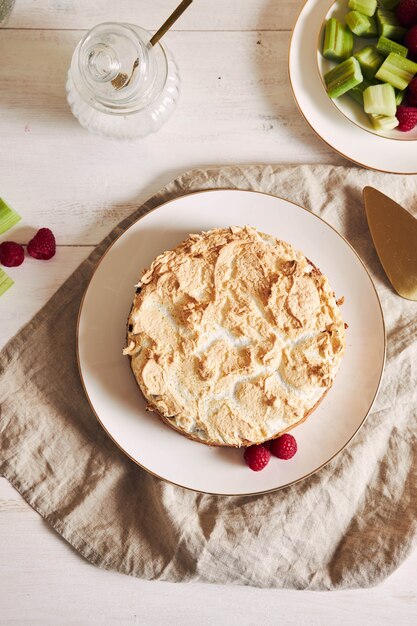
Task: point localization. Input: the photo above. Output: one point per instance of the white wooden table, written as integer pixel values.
(236, 107)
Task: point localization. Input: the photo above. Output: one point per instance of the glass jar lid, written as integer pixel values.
(114, 68)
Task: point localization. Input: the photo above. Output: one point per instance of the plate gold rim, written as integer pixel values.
(253, 493)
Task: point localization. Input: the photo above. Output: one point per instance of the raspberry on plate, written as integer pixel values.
(412, 93)
(257, 457)
(284, 447)
(406, 13)
(42, 246)
(407, 118)
(11, 254)
(410, 41)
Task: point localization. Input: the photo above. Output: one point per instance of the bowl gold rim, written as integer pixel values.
(357, 124)
(349, 158)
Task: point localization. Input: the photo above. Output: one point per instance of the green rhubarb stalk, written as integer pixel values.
(385, 46)
(370, 60)
(372, 30)
(388, 25)
(399, 96)
(367, 7)
(5, 282)
(357, 22)
(383, 122)
(357, 92)
(338, 41)
(380, 100)
(343, 77)
(397, 71)
(8, 217)
(389, 4)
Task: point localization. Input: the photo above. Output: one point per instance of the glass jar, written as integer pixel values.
(119, 85)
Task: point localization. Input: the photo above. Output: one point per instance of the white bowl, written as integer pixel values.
(351, 109)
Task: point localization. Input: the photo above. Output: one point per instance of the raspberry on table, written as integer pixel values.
(406, 13)
(284, 447)
(11, 254)
(42, 245)
(257, 457)
(407, 118)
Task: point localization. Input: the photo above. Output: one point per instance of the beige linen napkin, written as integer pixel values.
(349, 525)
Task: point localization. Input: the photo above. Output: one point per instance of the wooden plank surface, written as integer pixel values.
(44, 582)
(81, 185)
(201, 15)
(235, 107)
(35, 282)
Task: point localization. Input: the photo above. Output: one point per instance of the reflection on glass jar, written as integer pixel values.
(119, 85)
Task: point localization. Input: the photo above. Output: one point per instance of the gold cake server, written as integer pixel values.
(394, 233)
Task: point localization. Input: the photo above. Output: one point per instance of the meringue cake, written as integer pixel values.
(234, 337)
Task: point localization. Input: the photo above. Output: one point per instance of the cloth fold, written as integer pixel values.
(349, 525)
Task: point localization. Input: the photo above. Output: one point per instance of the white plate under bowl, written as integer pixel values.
(351, 109)
(340, 126)
(115, 396)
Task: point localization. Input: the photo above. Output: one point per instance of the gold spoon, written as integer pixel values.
(122, 80)
(170, 21)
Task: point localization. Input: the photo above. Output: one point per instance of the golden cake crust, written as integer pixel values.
(234, 337)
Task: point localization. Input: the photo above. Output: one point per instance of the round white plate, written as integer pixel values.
(115, 396)
(331, 124)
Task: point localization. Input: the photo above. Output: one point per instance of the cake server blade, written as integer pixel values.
(394, 233)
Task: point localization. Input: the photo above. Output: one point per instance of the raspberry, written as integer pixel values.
(284, 447)
(11, 254)
(42, 246)
(407, 117)
(410, 41)
(406, 13)
(257, 457)
(412, 93)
